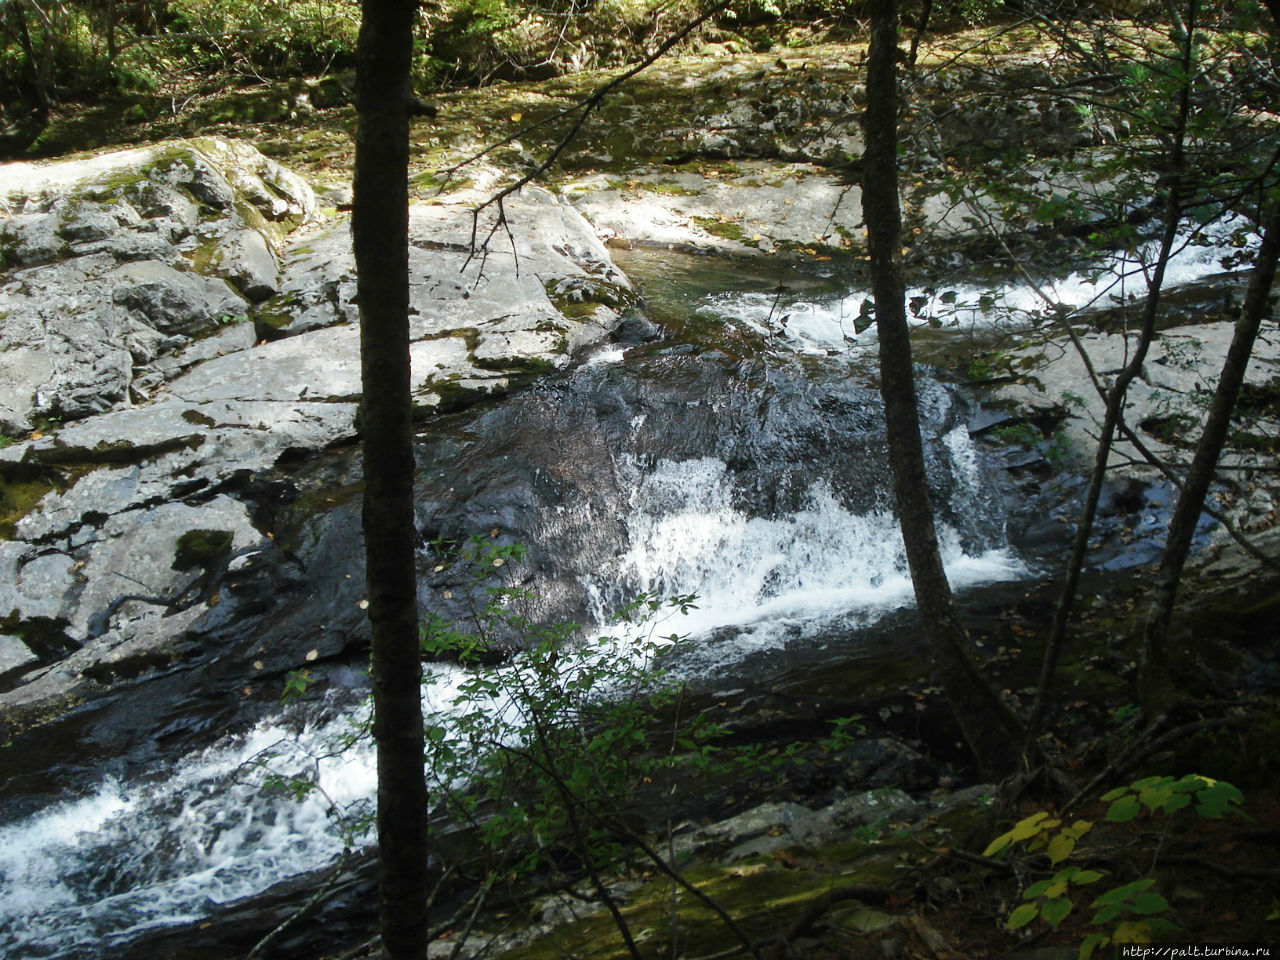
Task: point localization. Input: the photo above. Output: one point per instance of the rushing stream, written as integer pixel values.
(760, 485)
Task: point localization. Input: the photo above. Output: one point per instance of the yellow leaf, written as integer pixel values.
(515, 117)
(1028, 827)
(1132, 931)
(1060, 847)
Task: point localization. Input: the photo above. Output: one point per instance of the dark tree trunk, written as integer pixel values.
(1155, 683)
(1175, 172)
(990, 729)
(380, 231)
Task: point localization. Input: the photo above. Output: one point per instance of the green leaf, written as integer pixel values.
(1145, 903)
(1055, 911)
(1021, 916)
(1123, 810)
(1107, 914)
(1120, 894)
(1087, 876)
(1037, 889)
(1115, 794)
(1091, 943)
(1154, 798)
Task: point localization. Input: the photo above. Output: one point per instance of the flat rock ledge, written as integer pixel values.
(176, 329)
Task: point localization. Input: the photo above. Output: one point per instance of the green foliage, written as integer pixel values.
(845, 731)
(1130, 912)
(266, 38)
(545, 756)
(296, 685)
(1048, 898)
(1041, 832)
(1212, 798)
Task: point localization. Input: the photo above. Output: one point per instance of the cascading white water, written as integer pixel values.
(99, 869)
(821, 326)
(92, 872)
(767, 577)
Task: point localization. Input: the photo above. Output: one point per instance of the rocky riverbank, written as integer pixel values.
(179, 482)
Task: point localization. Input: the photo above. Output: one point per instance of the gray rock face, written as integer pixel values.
(172, 301)
(1166, 402)
(126, 308)
(110, 264)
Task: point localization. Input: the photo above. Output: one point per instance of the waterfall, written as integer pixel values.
(771, 577)
(90, 873)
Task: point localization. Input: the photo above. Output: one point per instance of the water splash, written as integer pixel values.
(99, 869)
(769, 577)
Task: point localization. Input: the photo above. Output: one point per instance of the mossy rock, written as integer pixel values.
(201, 549)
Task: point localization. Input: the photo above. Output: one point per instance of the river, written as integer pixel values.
(740, 459)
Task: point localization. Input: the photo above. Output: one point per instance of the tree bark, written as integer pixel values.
(380, 234)
(988, 726)
(1174, 174)
(1155, 683)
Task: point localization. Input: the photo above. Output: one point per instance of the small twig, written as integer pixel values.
(303, 910)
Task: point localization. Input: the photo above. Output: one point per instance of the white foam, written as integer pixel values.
(767, 576)
(826, 326)
(99, 868)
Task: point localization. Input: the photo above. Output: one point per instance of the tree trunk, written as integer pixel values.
(380, 233)
(988, 726)
(1154, 681)
(1174, 174)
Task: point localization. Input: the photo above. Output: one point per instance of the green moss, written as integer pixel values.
(274, 316)
(206, 257)
(526, 365)
(200, 549)
(126, 180)
(578, 297)
(198, 418)
(17, 499)
(763, 896)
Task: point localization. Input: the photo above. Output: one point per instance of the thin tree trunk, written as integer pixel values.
(1115, 398)
(988, 726)
(1154, 680)
(380, 228)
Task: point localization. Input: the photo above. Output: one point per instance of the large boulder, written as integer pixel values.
(112, 263)
(149, 538)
